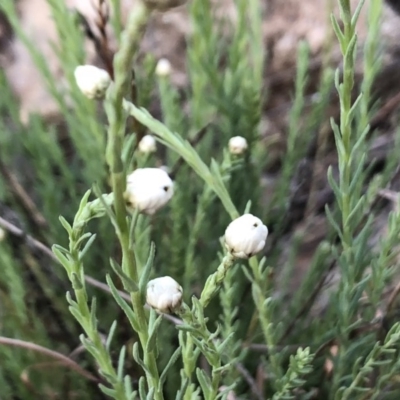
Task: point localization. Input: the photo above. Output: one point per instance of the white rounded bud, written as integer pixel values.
(237, 145)
(149, 189)
(92, 81)
(164, 294)
(163, 68)
(147, 144)
(245, 236)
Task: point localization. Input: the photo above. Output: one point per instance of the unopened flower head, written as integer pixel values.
(92, 81)
(245, 236)
(237, 145)
(164, 294)
(163, 67)
(149, 189)
(147, 144)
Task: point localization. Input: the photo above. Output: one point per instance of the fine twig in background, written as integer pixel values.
(23, 198)
(51, 353)
(307, 305)
(250, 381)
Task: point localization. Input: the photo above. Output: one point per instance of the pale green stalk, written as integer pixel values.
(117, 122)
(348, 190)
(72, 261)
(214, 281)
(299, 365)
(374, 359)
(195, 325)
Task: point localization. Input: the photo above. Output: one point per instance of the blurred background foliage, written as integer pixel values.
(302, 293)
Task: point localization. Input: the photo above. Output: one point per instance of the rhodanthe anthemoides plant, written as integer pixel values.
(147, 190)
(191, 272)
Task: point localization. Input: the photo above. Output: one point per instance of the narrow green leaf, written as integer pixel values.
(111, 335)
(142, 388)
(128, 283)
(334, 186)
(152, 341)
(171, 362)
(108, 391)
(66, 225)
(121, 363)
(150, 395)
(146, 272)
(356, 213)
(221, 348)
(87, 246)
(338, 31)
(110, 213)
(357, 12)
(93, 319)
(332, 221)
(137, 358)
(76, 282)
(205, 383)
(64, 261)
(123, 304)
(82, 205)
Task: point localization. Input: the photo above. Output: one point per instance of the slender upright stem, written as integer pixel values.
(117, 123)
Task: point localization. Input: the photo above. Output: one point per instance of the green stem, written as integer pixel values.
(215, 280)
(101, 354)
(117, 123)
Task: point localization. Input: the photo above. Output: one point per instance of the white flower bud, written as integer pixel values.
(92, 81)
(163, 68)
(147, 144)
(245, 236)
(164, 294)
(149, 189)
(237, 145)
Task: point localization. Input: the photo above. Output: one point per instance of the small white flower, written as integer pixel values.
(245, 236)
(237, 145)
(163, 68)
(149, 189)
(147, 144)
(92, 81)
(164, 294)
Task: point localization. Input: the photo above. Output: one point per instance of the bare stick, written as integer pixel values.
(51, 353)
(23, 197)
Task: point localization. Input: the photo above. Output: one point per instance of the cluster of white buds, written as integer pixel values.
(163, 68)
(245, 236)
(164, 294)
(148, 189)
(92, 81)
(147, 144)
(237, 145)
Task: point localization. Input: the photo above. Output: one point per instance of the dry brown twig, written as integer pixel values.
(51, 353)
(103, 47)
(23, 197)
